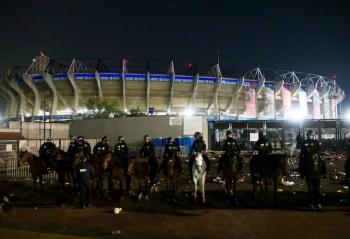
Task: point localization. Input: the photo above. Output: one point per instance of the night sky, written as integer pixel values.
(308, 36)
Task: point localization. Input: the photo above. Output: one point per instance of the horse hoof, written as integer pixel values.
(140, 196)
(146, 198)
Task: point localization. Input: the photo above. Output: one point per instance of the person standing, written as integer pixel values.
(85, 173)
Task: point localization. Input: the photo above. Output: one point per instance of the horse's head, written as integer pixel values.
(106, 159)
(78, 157)
(131, 166)
(23, 157)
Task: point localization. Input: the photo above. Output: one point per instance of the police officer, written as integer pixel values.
(102, 147)
(170, 151)
(147, 151)
(299, 140)
(72, 148)
(85, 173)
(231, 148)
(83, 145)
(263, 146)
(198, 146)
(311, 167)
(121, 151)
(45, 152)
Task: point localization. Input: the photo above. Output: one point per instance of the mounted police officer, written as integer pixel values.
(198, 146)
(147, 151)
(312, 167)
(72, 148)
(102, 147)
(263, 146)
(85, 174)
(83, 145)
(121, 151)
(231, 148)
(170, 152)
(45, 153)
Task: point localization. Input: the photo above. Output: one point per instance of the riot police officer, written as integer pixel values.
(45, 152)
(198, 146)
(102, 147)
(72, 148)
(83, 145)
(263, 146)
(312, 167)
(170, 151)
(231, 148)
(85, 174)
(121, 151)
(147, 151)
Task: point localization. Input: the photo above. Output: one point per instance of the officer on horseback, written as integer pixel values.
(102, 147)
(45, 153)
(83, 145)
(263, 145)
(312, 167)
(72, 148)
(147, 151)
(231, 148)
(121, 151)
(198, 146)
(170, 151)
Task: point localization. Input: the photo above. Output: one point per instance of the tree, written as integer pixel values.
(101, 108)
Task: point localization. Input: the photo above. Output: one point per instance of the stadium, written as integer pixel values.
(59, 88)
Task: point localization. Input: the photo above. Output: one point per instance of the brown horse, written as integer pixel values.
(230, 171)
(115, 170)
(263, 168)
(172, 173)
(36, 168)
(100, 164)
(139, 168)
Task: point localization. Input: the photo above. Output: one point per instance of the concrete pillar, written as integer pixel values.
(37, 101)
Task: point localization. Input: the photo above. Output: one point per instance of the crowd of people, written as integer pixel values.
(311, 165)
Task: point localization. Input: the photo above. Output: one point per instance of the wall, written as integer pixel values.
(35, 130)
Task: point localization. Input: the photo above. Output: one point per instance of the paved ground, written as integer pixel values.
(156, 218)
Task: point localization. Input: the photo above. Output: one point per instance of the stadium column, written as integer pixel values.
(125, 109)
(71, 77)
(325, 101)
(23, 99)
(313, 93)
(235, 95)
(277, 92)
(216, 90)
(98, 82)
(172, 82)
(7, 104)
(13, 104)
(37, 101)
(260, 85)
(194, 91)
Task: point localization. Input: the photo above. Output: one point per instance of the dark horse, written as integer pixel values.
(230, 172)
(172, 173)
(115, 171)
(99, 163)
(140, 169)
(263, 168)
(37, 169)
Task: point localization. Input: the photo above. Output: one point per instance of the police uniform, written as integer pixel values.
(85, 173)
(45, 152)
(170, 151)
(101, 148)
(121, 151)
(263, 146)
(231, 148)
(147, 151)
(198, 146)
(72, 149)
(311, 167)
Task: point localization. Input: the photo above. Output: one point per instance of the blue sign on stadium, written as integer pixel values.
(84, 76)
(110, 76)
(60, 77)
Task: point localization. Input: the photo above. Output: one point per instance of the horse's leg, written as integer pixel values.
(266, 187)
(275, 180)
(254, 185)
(41, 183)
(195, 189)
(34, 184)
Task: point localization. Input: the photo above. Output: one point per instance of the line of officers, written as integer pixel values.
(311, 166)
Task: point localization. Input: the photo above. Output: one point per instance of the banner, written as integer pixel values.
(286, 101)
(250, 100)
(316, 114)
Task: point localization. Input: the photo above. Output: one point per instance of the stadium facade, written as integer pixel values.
(55, 88)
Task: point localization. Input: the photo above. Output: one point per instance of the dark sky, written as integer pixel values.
(308, 36)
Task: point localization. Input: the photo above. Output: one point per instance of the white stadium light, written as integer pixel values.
(347, 115)
(296, 114)
(188, 112)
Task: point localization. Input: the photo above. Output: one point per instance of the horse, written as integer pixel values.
(140, 169)
(99, 164)
(172, 173)
(115, 171)
(198, 175)
(263, 168)
(36, 168)
(230, 172)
